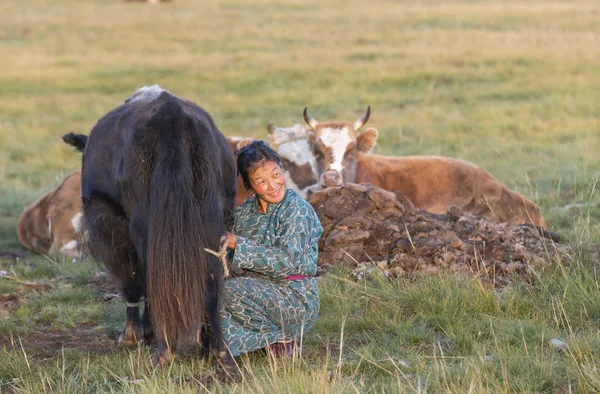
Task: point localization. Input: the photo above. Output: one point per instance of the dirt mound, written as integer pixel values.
(365, 227)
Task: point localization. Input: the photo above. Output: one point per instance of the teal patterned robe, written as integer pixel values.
(259, 306)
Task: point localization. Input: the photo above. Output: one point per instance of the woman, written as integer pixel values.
(273, 297)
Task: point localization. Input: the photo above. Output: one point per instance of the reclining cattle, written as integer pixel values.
(432, 183)
(49, 225)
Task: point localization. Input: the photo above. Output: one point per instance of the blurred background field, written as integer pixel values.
(513, 86)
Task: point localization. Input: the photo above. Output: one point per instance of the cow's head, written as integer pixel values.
(335, 147)
(298, 161)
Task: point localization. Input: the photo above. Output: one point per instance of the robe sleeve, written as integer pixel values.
(294, 241)
(234, 269)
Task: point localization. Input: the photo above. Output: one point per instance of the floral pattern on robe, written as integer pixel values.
(259, 306)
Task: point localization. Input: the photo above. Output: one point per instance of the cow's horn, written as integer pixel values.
(361, 122)
(312, 122)
(271, 128)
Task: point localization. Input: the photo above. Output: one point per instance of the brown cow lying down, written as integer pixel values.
(432, 183)
(49, 225)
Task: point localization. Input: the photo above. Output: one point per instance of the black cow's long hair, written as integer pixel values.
(185, 216)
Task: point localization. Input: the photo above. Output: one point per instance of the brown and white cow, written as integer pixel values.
(298, 161)
(49, 225)
(432, 183)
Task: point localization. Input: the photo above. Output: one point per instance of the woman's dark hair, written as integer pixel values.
(253, 156)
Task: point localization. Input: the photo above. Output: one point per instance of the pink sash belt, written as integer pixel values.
(297, 277)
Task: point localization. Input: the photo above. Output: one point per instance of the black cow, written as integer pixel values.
(158, 186)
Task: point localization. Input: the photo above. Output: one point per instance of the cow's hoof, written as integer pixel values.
(227, 369)
(160, 359)
(130, 337)
(149, 337)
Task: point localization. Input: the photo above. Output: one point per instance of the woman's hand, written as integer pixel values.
(230, 240)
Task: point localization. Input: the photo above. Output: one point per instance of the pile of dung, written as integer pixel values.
(365, 228)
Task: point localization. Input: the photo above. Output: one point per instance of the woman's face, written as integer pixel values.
(268, 183)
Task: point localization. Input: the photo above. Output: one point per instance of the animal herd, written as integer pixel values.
(158, 184)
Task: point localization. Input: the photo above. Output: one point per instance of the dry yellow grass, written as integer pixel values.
(511, 86)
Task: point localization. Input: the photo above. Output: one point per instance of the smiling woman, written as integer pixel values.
(266, 181)
(273, 297)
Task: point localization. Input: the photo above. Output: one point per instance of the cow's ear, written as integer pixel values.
(271, 128)
(366, 140)
(243, 142)
(311, 137)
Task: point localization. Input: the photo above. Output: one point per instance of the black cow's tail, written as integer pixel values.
(76, 140)
(184, 218)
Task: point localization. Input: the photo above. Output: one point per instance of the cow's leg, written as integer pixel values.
(147, 325)
(133, 333)
(203, 339)
(217, 343)
(138, 234)
(110, 243)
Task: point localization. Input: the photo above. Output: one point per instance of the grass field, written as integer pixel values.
(513, 86)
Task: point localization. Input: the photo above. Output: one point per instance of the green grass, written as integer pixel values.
(433, 333)
(510, 86)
